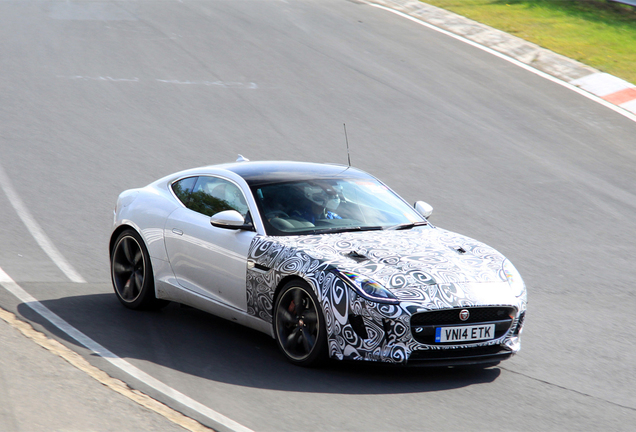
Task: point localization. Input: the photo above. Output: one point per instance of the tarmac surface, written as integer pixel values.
(41, 391)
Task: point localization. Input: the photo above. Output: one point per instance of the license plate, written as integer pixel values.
(465, 333)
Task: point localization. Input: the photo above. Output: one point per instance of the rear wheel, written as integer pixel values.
(131, 273)
(299, 324)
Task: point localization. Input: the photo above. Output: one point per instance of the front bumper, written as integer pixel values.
(401, 333)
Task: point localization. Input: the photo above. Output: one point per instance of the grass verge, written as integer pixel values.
(601, 34)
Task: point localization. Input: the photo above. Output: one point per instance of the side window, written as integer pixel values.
(212, 195)
(183, 189)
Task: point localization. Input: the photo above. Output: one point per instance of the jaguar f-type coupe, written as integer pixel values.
(324, 258)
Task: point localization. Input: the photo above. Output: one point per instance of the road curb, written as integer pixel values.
(76, 360)
(608, 87)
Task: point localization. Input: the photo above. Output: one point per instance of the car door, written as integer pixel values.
(208, 260)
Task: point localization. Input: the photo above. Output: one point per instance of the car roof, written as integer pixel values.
(264, 172)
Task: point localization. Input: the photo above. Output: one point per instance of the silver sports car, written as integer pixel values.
(324, 258)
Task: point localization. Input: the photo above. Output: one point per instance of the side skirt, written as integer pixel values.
(167, 289)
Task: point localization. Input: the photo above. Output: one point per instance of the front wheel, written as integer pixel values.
(299, 325)
(131, 273)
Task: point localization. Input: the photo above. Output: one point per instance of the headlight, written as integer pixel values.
(514, 279)
(368, 288)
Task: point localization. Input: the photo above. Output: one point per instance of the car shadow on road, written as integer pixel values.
(199, 344)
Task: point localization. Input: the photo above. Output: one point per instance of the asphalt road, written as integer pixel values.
(100, 96)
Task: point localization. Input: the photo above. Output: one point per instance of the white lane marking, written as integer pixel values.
(36, 231)
(217, 418)
(100, 78)
(226, 84)
(516, 62)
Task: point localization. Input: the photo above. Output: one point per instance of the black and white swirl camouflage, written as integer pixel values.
(425, 268)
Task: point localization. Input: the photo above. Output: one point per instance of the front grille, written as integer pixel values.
(423, 324)
(451, 316)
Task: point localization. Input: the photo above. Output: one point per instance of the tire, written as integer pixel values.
(299, 325)
(131, 273)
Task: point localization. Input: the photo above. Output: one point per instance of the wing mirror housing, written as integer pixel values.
(423, 208)
(231, 219)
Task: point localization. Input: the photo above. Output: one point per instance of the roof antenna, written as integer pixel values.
(347, 141)
(242, 158)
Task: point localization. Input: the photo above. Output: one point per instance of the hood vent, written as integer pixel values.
(460, 250)
(356, 256)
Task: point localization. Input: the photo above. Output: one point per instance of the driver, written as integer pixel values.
(321, 204)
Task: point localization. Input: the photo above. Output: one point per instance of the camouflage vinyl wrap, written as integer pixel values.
(426, 268)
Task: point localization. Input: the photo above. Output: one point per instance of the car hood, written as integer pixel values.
(409, 258)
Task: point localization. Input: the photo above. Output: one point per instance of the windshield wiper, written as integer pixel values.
(346, 229)
(404, 226)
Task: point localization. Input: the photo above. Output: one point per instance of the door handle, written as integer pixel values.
(177, 231)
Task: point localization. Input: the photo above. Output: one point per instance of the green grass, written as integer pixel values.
(598, 33)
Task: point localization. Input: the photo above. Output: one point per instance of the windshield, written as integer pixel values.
(331, 205)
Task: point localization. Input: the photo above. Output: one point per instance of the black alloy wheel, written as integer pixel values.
(299, 325)
(131, 273)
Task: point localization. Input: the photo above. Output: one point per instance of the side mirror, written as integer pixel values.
(230, 219)
(424, 209)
